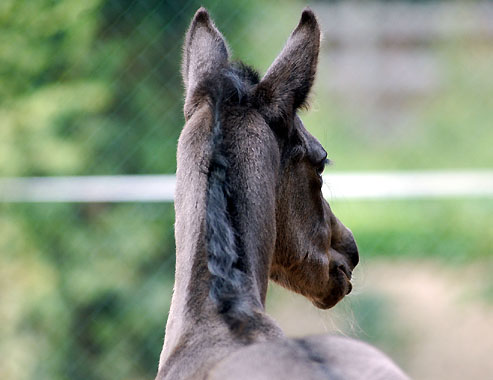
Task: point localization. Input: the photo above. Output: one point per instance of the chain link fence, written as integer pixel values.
(93, 88)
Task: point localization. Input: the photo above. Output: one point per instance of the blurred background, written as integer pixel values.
(93, 88)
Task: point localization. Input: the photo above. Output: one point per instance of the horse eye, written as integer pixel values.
(321, 166)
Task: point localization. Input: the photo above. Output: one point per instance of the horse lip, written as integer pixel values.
(350, 287)
(346, 273)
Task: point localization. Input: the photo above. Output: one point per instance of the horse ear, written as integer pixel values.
(286, 85)
(205, 51)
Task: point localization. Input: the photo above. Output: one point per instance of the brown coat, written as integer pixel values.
(249, 207)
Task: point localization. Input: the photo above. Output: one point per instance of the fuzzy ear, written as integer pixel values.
(286, 85)
(205, 51)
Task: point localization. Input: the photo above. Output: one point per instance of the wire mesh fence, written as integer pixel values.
(94, 88)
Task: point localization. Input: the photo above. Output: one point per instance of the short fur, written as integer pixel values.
(249, 207)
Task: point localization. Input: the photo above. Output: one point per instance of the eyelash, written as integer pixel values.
(321, 166)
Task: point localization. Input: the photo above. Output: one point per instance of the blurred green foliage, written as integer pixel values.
(90, 87)
(451, 129)
(456, 230)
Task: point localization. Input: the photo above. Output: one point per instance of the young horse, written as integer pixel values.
(248, 207)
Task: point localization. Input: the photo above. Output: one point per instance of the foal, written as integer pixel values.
(249, 207)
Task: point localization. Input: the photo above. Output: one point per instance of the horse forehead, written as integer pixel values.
(309, 141)
(246, 121)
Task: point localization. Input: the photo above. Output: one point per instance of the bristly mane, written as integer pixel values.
(225, 257)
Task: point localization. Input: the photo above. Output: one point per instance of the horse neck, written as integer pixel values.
(191, 306)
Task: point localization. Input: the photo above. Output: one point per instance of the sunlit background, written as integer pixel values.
(93, 88)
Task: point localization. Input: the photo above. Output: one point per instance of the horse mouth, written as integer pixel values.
(347, 274)
(339, 286)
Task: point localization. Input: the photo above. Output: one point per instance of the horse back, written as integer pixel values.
(312, 358)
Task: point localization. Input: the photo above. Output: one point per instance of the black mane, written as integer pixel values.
(225, 257)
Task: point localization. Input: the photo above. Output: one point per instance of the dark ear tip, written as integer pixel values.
(308, 17)
(201, 16)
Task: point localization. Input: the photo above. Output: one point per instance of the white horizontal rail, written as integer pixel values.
(125, 188)
(160, 188)
(409, 184)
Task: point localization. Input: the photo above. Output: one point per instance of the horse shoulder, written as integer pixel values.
(354, 359)
(312, 358)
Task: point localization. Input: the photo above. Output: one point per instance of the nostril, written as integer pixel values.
(350, 251)
(346, 246)
(354, 255)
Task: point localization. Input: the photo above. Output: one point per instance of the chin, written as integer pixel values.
(339, 286)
